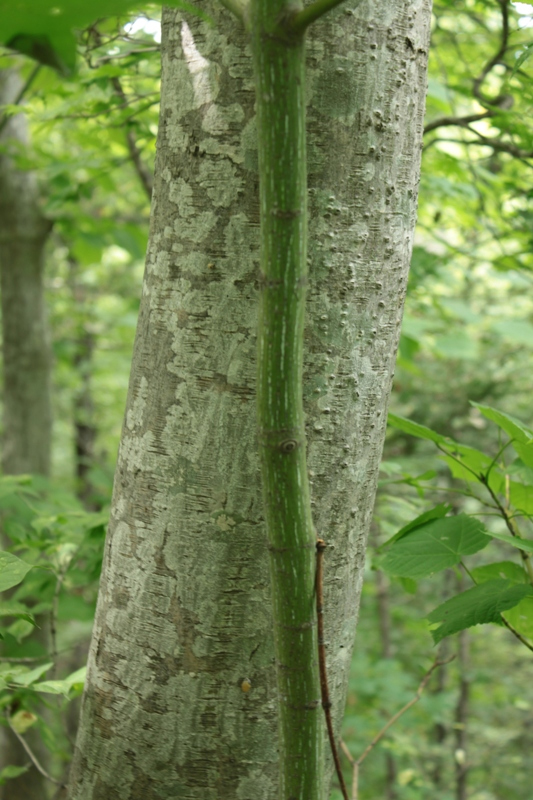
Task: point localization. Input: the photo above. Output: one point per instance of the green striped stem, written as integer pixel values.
(279, 64)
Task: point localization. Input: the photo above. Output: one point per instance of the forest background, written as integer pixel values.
(467, 337)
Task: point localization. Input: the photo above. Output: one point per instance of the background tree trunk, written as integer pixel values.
(180, 698)
(27, 418)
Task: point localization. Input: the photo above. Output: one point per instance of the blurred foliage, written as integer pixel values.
(467, 336)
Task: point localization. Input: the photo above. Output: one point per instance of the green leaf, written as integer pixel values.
(17, 610)
(75, 680)
(435, 513)
(476, 606)
(521, 617)
(420, 431)
(12, 570)
(26, 678)
(22, 720)
(43, 29)
(525, 451)
(435, 546)
(513, 427)
(515, 331)
(506, 570)
(514, 541)
(521, 497)
(470, 457)
(12, 772)
(521, 471)
(408, 585)
(523, 57)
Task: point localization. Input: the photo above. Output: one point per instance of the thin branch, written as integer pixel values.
(107, 111)
(8, 660)
(326, 702)
(497, 58)
(356, 763)
(301, 21)
(443, 122)
(32, 757)
(500, 452)
(461, 463)
(145, 175)
(511, 526)
(485, 141)
(518, 635)
(504, 147)
(127, 54)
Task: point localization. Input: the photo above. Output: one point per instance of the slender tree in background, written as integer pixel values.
(180, 695)
(27, 418)
(26, 350)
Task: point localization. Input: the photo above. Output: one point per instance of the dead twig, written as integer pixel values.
(326, 702)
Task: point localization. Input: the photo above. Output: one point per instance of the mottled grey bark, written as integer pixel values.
(27, 418)
(180, 699)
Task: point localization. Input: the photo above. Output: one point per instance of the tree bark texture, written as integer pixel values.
(180, 700)
(27, 418)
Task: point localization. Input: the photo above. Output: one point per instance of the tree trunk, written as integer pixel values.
(180, 700)
(461, 718)
(27, 419)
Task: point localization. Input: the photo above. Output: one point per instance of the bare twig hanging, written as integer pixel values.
(326, 702)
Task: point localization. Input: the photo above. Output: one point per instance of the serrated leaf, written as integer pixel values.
(513, 427)
(500, 570)
(76, 679)
(434, 513)
(469, 456)
(27, 678)
(477, 606)
(514, 541)
(435, 546)
(12, 570)
(420, 431)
